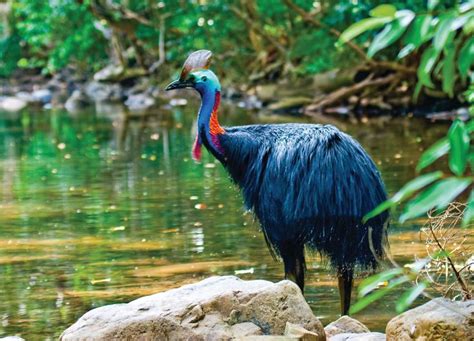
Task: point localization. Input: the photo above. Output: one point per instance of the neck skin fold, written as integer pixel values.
(209, 128)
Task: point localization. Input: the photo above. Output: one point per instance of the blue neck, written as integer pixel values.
(208, 99)
(209, 129)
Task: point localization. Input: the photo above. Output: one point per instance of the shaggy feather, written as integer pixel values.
(309, 185)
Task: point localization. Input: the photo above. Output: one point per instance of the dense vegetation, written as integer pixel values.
(265, 38)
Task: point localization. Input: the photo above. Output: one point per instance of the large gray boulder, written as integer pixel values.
(345, 324)
(439, 319)
(217, 308)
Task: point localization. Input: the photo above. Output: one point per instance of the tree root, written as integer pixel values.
(347, 91)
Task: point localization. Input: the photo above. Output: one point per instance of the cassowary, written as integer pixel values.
(308, 184)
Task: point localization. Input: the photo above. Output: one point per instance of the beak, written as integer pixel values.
(178, 84)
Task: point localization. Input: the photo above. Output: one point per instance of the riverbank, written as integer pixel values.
(225, 308)
(139, 92)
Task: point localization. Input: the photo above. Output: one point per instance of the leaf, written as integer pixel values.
(466, 57)
(438, 195)
(419, 32)
(469, 212)
(428, 61)
(409, 296)
(405, 192)
(372, 282)
(415, 185)
(417, 91)
(433, 153)
(432, 4)
(459, 144)
(461, 20)
(384, 10)
(443, 33)
(449, 70)
(362, 26)
(391, 32)
(376, 295)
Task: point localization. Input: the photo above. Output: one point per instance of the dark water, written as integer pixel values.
(97, 208)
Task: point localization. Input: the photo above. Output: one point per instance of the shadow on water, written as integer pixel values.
(100, 208)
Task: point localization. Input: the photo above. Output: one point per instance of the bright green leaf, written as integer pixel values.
(415, 185)
(419, 32)
(438, 195)
(384, 10)
(428, 61)
(405, 192)
(461, 20)
(362, 26)
(459, 147)
(433, 153)
(469, 212)
(466, 57)
(432, 4)
(391, 32)
(376, 295)
(443, 33)
(371, 283)
(409, 296)
(449, 70)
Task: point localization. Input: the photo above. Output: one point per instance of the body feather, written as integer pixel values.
(309, 185)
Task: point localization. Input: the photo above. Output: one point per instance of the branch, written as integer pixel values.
(465, 290)
(348, 91)
(259, 30)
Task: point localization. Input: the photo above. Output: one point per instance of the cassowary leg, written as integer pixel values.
(345, 281)
(295, 265)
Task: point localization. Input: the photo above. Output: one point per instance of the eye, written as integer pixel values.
(204, 78)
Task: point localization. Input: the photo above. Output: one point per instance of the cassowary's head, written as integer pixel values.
(196, 74)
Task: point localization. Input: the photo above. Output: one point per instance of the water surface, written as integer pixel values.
(102, 207)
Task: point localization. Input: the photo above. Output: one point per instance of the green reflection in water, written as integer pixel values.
(102, 208)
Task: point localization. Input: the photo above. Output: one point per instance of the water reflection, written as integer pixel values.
(105, 207)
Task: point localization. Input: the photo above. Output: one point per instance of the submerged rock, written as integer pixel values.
(439, 319)
(43, 96)
(139, 102)
(12, 104)
(345, 324)
(217, 308)
(104, 92)
(77, 101)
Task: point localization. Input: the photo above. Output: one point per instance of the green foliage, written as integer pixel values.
(50, 36)
(269, 35)
(440, 41)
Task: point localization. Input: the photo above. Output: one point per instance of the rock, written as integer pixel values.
(104, 92)
(43, 96)
(290, 104)
(12, 104)
(77, 101)
(217, 308)
(139, 102)
(25, 96)
(334, 79)
(439, 319)
(117, 73)
(267, 338)
(345, 324)
(359, 337)
(298, 332)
